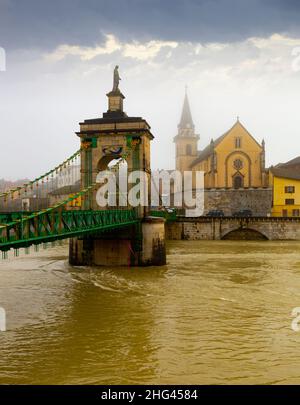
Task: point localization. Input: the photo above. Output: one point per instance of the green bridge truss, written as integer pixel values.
(24, 229)
(53, 225)
(21, 230)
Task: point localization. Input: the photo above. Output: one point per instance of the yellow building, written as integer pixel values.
(285, 180)
(234, 160)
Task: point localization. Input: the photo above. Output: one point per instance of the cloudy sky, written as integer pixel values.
(238, 58)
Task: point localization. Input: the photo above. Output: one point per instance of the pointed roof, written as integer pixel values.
(239, 125)
(186, 120)
(209, 150)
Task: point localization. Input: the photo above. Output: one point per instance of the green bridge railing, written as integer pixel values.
(169, 215)
(53, 225)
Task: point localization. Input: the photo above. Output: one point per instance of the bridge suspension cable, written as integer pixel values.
(68, 172)
(12, 228)
(54, 224)
(60, 204)
(44, 176)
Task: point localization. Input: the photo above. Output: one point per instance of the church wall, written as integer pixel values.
(209, 177)
(234, 160)
(221, 169)
(249, 153)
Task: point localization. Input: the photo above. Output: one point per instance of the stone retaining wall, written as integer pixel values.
(205, 228)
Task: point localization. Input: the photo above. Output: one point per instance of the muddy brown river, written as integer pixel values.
(217, 313)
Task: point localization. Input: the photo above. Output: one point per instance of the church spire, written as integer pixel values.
(186, 121)
(186, 140)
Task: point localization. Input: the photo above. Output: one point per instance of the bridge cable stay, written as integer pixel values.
(56, 223)
(19, 229)
(37, 190)
(9, 223)
(14, 223)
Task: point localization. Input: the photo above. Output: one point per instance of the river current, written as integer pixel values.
(218, 313)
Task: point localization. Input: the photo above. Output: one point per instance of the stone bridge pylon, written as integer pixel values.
(106, 140)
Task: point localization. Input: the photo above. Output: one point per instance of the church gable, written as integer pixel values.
(237, 138)
(234, 160)
(240, 159)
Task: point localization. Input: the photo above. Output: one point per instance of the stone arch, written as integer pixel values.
(247, 157)
(244, 234)
(118, 165)
(105, 160)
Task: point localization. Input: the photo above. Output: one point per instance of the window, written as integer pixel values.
(289, 201)
(238, 142)
(289, 189)
(284, 213)
(238, 164)
(188, 149)
(296, 213)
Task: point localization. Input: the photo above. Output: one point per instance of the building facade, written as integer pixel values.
(285, 180)
(233, 160)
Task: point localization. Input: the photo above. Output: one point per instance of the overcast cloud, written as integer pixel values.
(235, 58)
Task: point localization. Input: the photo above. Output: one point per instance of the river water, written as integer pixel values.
(218, 313)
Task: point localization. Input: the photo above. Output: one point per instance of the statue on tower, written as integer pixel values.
(115, 98)
(116, 79)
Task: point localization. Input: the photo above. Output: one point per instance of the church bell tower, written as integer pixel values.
(186, 140)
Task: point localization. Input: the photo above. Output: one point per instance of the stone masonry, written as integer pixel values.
(205, 228)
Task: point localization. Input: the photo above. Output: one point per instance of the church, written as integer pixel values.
(233, 160)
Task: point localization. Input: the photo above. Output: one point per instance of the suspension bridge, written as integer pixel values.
(35, 213)
(19, 230)
(64, 220)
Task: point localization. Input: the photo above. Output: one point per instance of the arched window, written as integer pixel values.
(188, 149)
(238, 142)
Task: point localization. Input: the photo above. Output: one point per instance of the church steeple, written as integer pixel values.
(186, 120)
(186, 140)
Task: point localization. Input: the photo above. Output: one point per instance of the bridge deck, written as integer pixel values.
(52, 225)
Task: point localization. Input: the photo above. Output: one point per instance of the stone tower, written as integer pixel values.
(186, 140)
(115, 136)
(112, 137)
